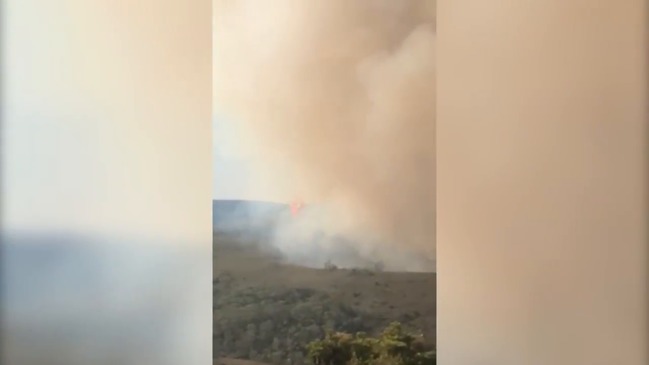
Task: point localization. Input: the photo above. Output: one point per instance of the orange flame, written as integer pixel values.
(296, 206)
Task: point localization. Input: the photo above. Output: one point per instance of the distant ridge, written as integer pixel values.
(252, 216)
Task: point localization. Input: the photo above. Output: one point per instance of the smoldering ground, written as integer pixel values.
(302, 238)
(334, 103)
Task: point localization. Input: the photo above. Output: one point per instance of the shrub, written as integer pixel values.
(393, 347)
(330, 266)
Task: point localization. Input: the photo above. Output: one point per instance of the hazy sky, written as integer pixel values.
(233, 174)
(230, 171)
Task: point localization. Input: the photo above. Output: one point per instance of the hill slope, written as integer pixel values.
(265, 310)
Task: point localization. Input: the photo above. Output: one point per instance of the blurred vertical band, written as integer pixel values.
(106, 182)
(542, 181)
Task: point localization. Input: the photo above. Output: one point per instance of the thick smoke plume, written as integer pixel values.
(334, 102)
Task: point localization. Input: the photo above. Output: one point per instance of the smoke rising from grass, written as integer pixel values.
(334, 103)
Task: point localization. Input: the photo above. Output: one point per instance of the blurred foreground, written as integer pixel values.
(69, 299)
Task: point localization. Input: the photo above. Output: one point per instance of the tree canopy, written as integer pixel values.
(393, 346)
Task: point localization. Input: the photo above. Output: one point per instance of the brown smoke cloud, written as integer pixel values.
(335, 104)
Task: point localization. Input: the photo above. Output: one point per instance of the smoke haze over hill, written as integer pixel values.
(333, 102)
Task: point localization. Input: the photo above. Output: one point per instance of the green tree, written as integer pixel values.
(393, 346)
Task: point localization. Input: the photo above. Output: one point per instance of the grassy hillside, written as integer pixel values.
(268, 311)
